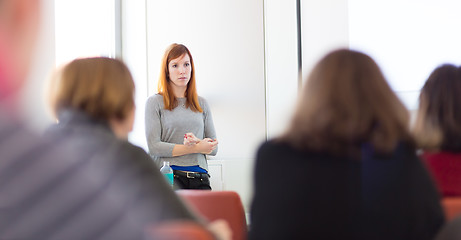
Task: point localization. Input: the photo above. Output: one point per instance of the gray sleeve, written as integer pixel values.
(154, 130)
(210, 131)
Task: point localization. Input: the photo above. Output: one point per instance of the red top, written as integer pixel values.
(446, 171)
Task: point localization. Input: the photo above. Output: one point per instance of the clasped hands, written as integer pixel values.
(205, 146)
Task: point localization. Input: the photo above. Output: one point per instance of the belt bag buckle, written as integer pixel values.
(190, 174)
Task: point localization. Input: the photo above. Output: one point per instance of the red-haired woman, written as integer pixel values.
(179, 125)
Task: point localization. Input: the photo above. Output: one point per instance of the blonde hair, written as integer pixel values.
(345, 102)
(172, 52)
(101, 87)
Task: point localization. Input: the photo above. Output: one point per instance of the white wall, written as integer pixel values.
(325, 27)
(84, 28)
(407, 41)
(134, 53)
(281, 58)
(418, 37)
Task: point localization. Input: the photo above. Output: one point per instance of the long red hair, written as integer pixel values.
(172, 52)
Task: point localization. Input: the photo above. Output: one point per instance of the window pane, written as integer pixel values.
(407, 38)
(84, 28)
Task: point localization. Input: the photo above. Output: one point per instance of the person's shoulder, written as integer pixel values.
(157, 98)
(129, 147)
(274, 147)
(16, 138)
(203, 103)
(132, 149)
(135, 155)
(270, 144)
(202, 100)
(24, 145)
(155, 101)
(278, 147)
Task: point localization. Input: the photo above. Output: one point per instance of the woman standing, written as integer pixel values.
(353, 171)
(179, 125)
(437, 127)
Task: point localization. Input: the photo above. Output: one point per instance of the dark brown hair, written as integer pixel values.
(345, 102)
(101, 87)
(438, 121)
(172, 52)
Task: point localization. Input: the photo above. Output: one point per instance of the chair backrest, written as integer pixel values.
(178, 230)
(452, 207)
(214, 205)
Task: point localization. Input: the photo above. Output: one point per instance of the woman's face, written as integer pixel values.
(180, 70)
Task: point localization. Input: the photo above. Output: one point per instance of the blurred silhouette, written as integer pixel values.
(19, 26)
(437, 127)
(346, 168)
(19, 148)
(179, 125)
(93, 99)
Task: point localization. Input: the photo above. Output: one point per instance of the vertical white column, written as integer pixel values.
(134, 52)
(325, 27)
(281, 63)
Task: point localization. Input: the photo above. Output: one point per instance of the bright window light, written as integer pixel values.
(84, 28)
(407, 38)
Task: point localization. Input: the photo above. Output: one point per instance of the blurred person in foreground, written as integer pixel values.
(49, 189)
(19, 27)
(93, 101)
(437, 128)
(346, 168)
(19, 148)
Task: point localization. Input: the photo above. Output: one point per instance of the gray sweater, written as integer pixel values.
(165, 129)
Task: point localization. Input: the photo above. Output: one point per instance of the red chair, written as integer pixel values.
(451, 207)
(178, 230)
(214, 205)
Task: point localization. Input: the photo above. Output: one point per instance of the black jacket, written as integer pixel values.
(314, 195)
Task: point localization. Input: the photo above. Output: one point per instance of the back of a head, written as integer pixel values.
(437, 125)
(345, 102)
(101, 87)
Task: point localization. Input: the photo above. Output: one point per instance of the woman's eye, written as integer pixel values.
(187, 64)
(174, 65)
